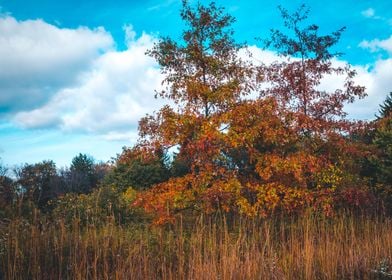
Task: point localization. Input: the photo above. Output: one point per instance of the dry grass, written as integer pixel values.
(344, 247)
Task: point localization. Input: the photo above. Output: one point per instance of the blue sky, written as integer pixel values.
(74, 77)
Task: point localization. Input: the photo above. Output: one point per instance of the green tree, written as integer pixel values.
(379, 163)
(38, 183)
(139, 170)
(386, 107)
(383, 141)
(7, 192)
(82, 177)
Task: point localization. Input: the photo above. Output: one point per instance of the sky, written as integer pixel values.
(74, 77)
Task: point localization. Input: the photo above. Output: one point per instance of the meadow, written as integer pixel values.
(346, 246)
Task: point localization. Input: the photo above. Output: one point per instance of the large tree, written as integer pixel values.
(206, 79)
(247, 155)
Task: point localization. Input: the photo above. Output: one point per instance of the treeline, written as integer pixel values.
(86, 186)
(38, 184)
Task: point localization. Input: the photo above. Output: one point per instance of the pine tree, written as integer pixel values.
(385, 108)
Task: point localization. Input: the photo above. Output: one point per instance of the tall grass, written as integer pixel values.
(309, 247)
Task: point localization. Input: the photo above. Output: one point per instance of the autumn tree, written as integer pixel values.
(313, 117)
(206, 79)
(307, 59)
(252, 156)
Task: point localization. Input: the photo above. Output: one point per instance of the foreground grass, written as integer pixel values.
(343, 247)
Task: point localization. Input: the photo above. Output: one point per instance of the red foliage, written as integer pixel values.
(284, 151)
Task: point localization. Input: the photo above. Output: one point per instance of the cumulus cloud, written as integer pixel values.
(259, 55)
(111, 97)
(75, 80)
(377, 82)
(377, 45)
(37, 59)
(377, 79)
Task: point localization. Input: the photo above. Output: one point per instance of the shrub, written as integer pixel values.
(96, 207)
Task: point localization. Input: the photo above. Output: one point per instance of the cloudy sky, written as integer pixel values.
(74, 77)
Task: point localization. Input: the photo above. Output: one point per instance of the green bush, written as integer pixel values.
(97, 207)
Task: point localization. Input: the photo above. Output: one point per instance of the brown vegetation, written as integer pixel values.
(310, 247)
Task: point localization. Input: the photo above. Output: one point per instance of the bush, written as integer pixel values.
(95, 208)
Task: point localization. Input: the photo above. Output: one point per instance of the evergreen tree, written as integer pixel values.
(82, 175)
(386, 107)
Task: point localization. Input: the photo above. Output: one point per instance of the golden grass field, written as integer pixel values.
(309, 247)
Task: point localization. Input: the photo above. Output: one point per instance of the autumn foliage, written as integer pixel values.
(257, 139)
(252, 172)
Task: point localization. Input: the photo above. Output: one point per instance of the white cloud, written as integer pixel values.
(377, 45)
(378, 82)
(371, 14)
(259, 55)
(368, 13)
(130, 34)
(37, 59)
(77, 81)
(112, 96)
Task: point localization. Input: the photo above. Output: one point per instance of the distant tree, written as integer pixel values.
(3, 169)
(180, 165)
(82, 174)
(378, 164)
(386, 107)
(38, 182)
(101, 169)
(138, 169)
(83, 163)
(7, 191)
(383, 141)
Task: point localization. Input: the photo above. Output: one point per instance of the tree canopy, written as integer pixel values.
(248, 155)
